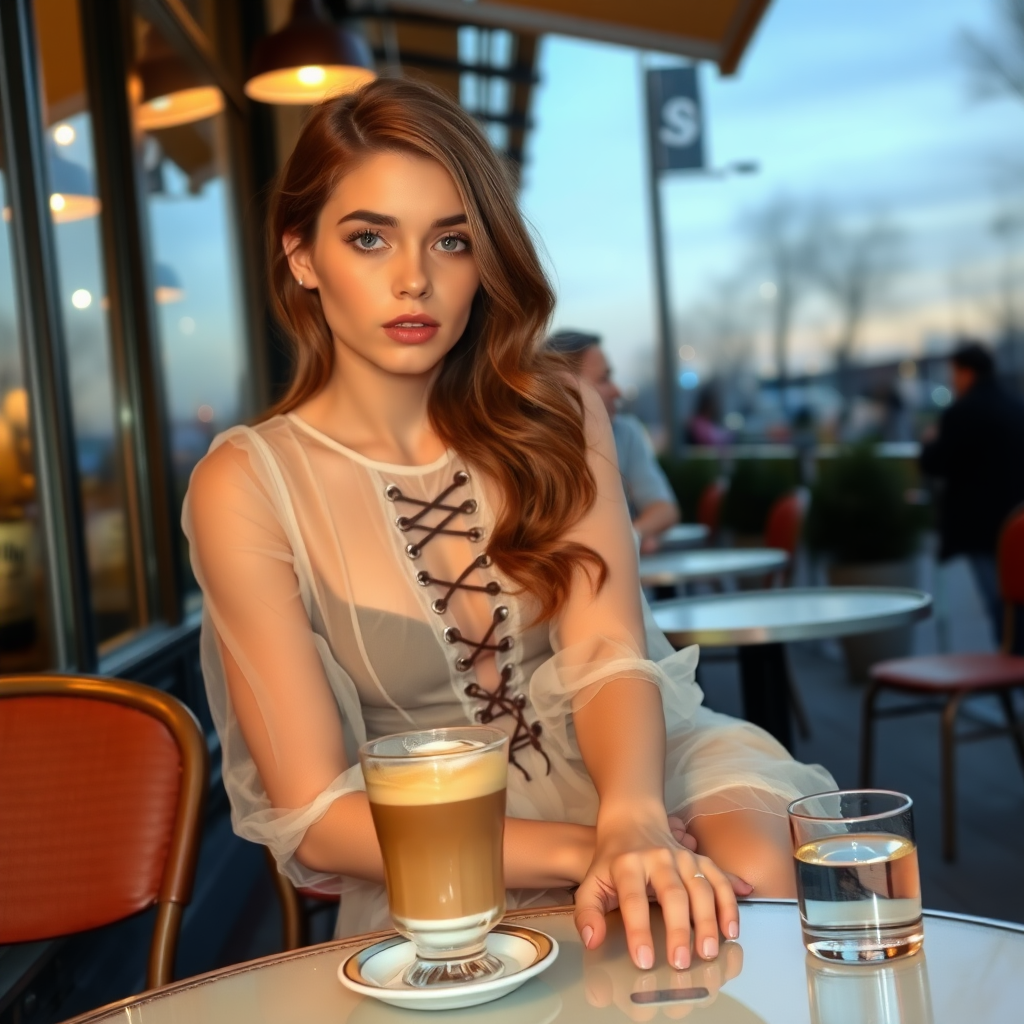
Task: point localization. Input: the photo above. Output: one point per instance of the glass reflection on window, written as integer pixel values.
(76, 210)
(24, 634)
(181, 122)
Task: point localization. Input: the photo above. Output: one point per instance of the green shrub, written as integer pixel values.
(688, 478)
(859, 512)
(755, 485)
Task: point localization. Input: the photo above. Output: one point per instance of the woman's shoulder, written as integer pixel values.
(236, 456)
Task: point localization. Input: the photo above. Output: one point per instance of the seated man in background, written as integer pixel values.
(652, 504)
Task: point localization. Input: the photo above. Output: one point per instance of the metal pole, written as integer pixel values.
(666, 343)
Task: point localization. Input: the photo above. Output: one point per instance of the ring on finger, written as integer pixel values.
(699, 875)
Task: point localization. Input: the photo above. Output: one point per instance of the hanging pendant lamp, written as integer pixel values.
(310, 59)
(172, 92)
(73, 196)
(168, 286)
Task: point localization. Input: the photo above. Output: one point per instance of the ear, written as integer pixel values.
(299, 260)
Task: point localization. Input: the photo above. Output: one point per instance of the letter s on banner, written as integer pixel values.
(680, 122)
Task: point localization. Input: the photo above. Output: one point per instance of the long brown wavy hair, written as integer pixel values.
(501, 401)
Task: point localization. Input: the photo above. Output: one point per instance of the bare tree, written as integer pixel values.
(778, 239)
(997, 64)
(854, 266)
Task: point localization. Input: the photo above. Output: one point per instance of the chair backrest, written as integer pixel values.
(709, 505)
(102, 784)
(1011, 559)
(785, 523)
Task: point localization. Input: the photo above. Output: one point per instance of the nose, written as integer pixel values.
(412, 274)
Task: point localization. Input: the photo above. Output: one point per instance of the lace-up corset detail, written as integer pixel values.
(502, 701)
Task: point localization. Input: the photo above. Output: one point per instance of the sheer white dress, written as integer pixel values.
(329, 582)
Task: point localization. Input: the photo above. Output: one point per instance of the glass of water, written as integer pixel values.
(857, 875)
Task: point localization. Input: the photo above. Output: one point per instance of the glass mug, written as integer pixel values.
(857, 876)
(438, 803)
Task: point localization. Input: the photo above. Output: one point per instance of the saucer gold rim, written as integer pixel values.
(544, 945)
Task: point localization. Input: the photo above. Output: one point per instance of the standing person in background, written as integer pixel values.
(652, 503)
(978, 454)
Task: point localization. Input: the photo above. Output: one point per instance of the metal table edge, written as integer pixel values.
(357, 941)
(753, 635)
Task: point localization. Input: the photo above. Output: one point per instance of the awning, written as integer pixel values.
(713, 30)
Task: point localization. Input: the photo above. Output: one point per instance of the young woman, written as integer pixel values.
(430, 529)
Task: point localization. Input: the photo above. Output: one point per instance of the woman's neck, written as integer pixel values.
(378, 414)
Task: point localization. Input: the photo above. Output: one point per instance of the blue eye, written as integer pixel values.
(453, 244)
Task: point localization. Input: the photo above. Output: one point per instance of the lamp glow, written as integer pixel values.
(308, 60)
(81, 298)
(63, 135)
(181, 107)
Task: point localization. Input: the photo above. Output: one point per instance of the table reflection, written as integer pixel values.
(891, 993)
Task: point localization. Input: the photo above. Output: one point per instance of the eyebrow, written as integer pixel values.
(386, 221)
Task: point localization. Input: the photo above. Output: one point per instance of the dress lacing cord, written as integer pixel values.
(501, 702)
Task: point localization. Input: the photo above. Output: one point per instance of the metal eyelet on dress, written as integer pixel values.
(500, 613)
(493, 587)
(469, 507)
(462, 665)
(483, 561)
(392, 492)
(423, 578)
(413, 550)
(440, 606)
(506, 643)
(461, 477)
(402, 522)
(475, 534)
(451, 635)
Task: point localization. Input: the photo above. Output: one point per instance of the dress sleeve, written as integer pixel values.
(608, 634)
(273, 687)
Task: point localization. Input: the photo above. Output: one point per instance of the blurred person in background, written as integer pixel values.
(704, 426)
(652, 502)
(978, 454)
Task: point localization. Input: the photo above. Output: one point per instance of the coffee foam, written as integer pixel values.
(414, 782)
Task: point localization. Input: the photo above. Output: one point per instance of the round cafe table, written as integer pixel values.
(760, 622)
(970, 970)
(666, 568)
(683, 535)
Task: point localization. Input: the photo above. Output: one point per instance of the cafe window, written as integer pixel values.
(181, 121)
(24, 622)
(81, 285)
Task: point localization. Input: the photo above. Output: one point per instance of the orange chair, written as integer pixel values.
(945, 681)
(709, 506)
(102, 785)
(783, 529)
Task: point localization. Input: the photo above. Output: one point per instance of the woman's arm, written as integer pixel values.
(538, 854)
(621, 735)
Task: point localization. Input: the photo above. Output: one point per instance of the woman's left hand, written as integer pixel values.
(637, 858)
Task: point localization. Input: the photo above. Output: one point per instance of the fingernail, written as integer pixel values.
(681, 958)
(710, 948)
(645, 957)
(587, 934)
(733, 930)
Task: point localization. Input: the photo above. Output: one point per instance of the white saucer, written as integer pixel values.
(377, 970)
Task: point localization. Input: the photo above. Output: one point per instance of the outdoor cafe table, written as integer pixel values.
(666, 568)
(759, 622)
(683, 535)
(970, 970)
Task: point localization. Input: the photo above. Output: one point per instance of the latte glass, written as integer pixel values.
(438, 804)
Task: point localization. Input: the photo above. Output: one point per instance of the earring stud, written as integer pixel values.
(300, 282)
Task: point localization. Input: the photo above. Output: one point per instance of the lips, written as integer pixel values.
(411, 328)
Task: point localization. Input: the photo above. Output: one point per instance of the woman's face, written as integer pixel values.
(393, 261)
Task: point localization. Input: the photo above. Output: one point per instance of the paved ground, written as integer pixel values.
(986, 879)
